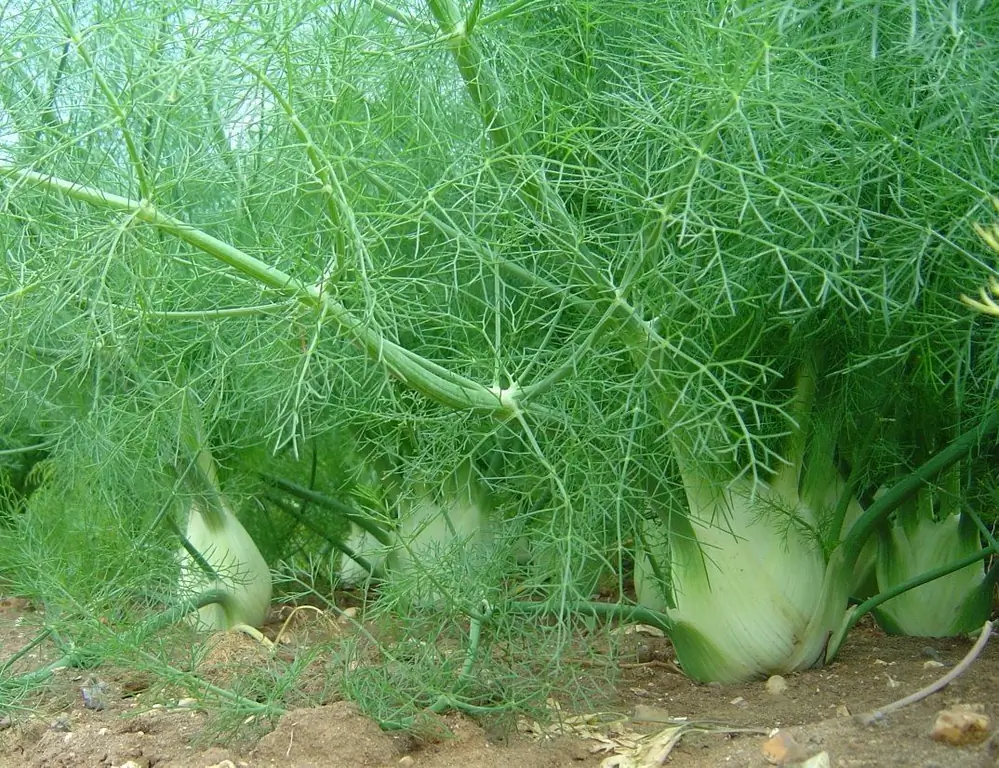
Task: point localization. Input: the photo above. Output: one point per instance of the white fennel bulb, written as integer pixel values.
(239, 571)
(950, 605)
(430, 527)
(242, 572)
(750, 590)
(442, 536)
(366, 545)
(748, 580)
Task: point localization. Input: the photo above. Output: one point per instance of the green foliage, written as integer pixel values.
(568, 244)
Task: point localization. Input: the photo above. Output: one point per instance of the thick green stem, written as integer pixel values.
(612, 611)
(348, 513)
(867, 606)
(908, 486)
(446, 701)
(304, 520)
(430, 379)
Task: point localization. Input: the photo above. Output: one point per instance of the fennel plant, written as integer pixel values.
(595, 244)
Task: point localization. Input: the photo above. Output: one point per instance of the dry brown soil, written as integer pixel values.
(872, 670)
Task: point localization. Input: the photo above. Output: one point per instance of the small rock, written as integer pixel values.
(931, 664)
(95, 695)
(738, 701)
(645, 629)
(821, 760)
(646, 714)
(5, 722)
(776, 685)
(407, 760)
(961, 725)
(224, 764)
(932, 653)
(104, 732)
(782, 749)
(61, 724)
(129, 764)
(187, 703)
(644, 653)
(842, 710)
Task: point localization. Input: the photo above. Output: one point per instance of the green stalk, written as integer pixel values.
(37, 640)
(859, 611)
(436, 382)
(876, 514)
(208, 314)
(348, 513)
(339, 546)
(609, 611)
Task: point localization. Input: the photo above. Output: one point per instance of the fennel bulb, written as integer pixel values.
(751, 592)
(429, 527)
(950, 605)
(747, 582)
(440, 537)
(213, 532)
(243, 573)
(365, 544)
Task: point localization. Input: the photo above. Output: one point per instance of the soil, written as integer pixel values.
(144, 725)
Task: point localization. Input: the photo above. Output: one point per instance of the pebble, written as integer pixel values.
(95, 695)
(821, 760)
(407, 760)
(61, 723)
(646, 714)
(187, 703)
(932, 653)
(776, 685)
(961, 725)
(782, 749)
